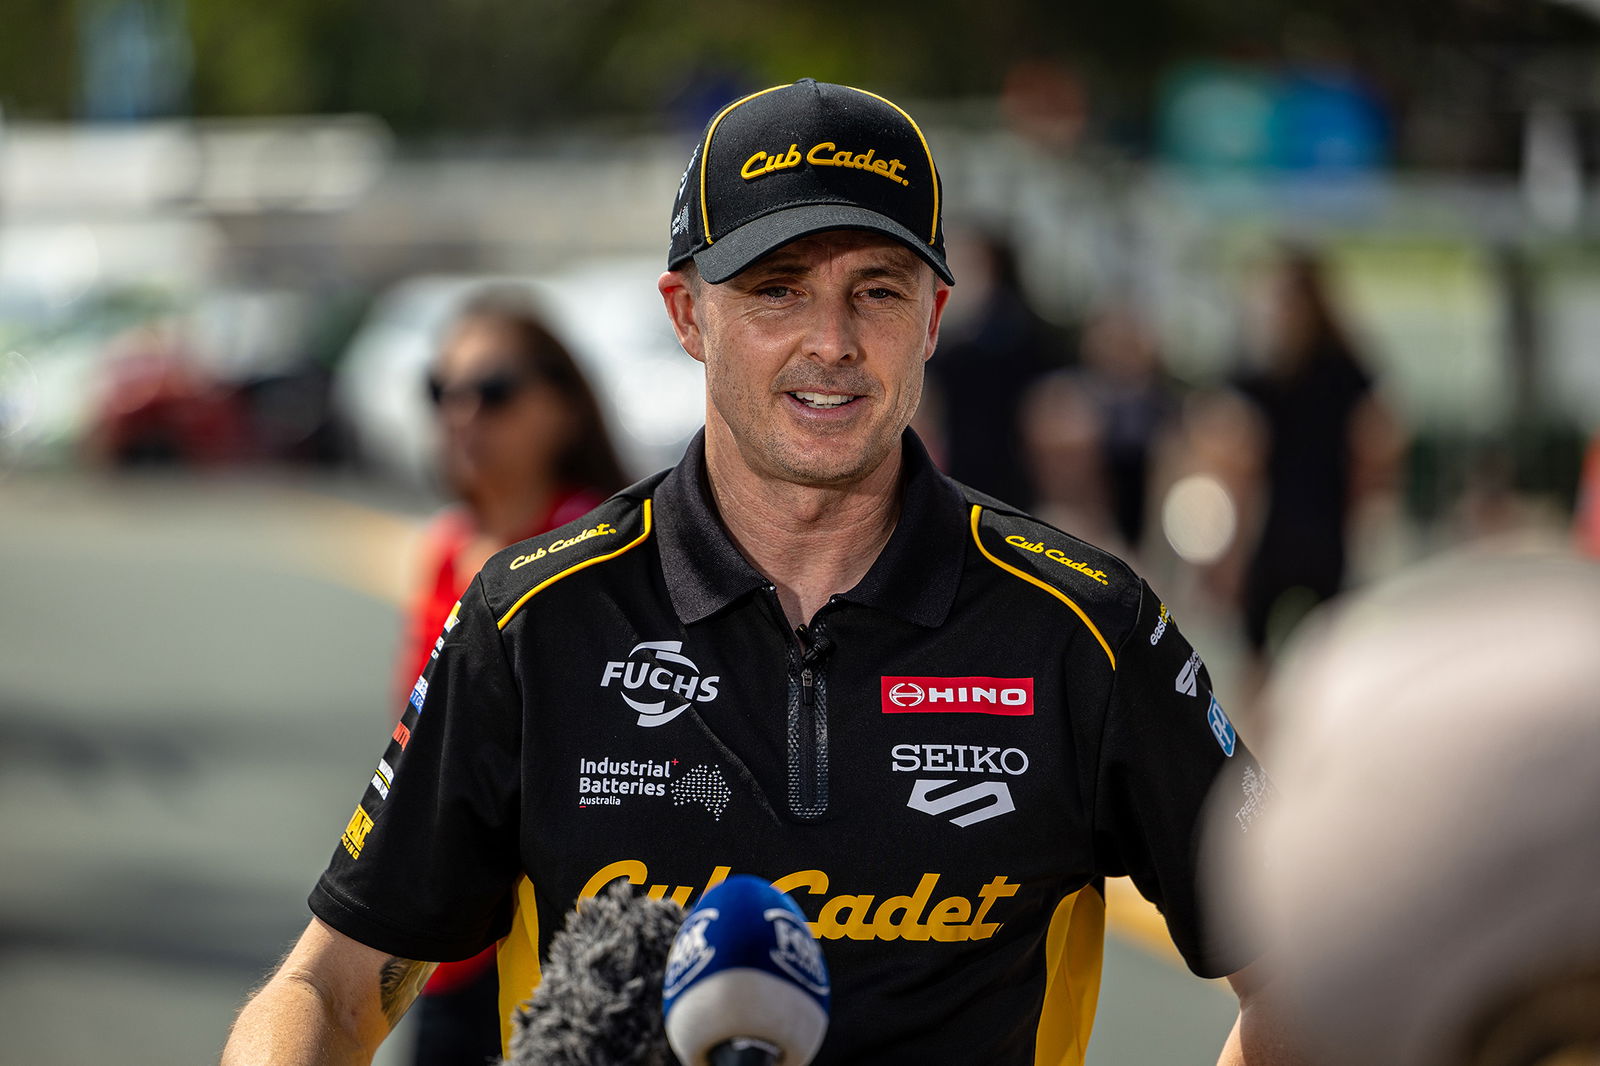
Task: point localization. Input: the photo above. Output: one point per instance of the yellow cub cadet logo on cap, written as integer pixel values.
(826, 154)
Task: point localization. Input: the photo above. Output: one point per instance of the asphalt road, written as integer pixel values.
(194, 682)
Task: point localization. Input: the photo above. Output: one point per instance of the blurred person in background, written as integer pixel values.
(1586, 519)
(1426, 889)
(1327, 441)
(994, 347)
(523, 449)
(1091, 434)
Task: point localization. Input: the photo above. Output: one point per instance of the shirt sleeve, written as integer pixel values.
(426, 866)
(1166, 745)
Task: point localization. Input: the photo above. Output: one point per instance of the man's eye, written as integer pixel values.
(880, 293)
(776, 292)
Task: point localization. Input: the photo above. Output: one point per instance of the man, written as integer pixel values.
(803, 653)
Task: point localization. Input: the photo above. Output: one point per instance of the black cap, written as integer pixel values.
(798, 159)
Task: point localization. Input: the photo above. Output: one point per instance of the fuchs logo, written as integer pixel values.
(659, 667)
(958, 695)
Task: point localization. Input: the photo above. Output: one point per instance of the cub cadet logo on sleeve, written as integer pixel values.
(355, 833)
(825, 154)
(604, 529)
(1057, 555)
(956, 695)
(659, 666)
(917, 916)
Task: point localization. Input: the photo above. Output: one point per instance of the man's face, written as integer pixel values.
(813, 354)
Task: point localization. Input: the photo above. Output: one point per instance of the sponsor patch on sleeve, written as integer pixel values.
(381, 777)
(419, 693)
(1221, 728)
(355, 834)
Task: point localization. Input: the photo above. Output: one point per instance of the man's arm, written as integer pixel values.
(330, 1003)
(1258, 1037)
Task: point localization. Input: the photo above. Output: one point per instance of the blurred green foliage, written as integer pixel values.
(507, 66)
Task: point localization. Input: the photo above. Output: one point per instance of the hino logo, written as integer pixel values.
(994, 795)
(962, 695)
(659, 666)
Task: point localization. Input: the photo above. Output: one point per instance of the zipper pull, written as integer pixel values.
(808, 683)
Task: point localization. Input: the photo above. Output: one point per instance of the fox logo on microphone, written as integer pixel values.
(745, 974)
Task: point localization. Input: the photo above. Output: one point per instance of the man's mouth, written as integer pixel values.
(822, 401)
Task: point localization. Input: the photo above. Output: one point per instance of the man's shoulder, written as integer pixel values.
(515, 574)
(1077, 574)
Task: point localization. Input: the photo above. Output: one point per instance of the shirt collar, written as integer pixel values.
(914, 577)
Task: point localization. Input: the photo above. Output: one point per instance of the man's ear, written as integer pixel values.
(677, 293)
(941, 296)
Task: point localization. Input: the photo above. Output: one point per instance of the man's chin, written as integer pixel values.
(827, 466)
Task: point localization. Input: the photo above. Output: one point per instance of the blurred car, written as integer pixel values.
(608, 313)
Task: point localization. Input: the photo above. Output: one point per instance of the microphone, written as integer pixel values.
(746, 984)
(599, 1000)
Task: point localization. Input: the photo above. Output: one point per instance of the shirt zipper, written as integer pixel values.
(808, 792)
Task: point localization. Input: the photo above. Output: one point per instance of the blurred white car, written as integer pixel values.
(608, 313)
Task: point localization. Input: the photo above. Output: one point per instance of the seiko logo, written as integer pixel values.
(968, 695)
(994, 795)
(659, 666)
(959, 758)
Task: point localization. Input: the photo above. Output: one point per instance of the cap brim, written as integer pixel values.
(737, 250)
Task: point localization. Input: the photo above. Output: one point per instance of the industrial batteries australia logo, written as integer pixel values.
(659, 681)
(609, 782)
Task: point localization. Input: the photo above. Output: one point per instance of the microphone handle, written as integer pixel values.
(744, 1051)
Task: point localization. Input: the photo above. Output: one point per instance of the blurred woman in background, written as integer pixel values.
(523, 449)
(1328, 442)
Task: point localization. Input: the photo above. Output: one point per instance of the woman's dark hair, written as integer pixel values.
(589, 460)
(1305, 275)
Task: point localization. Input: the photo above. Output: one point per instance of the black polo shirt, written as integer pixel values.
(940, 767)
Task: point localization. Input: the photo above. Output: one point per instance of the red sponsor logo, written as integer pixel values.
(402, 735)
(957, 695)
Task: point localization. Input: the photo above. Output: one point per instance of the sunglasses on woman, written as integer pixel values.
(492, 393)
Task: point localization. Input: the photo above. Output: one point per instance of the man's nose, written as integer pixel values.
(832, 336)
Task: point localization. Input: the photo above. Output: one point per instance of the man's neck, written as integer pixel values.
(810, 542)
